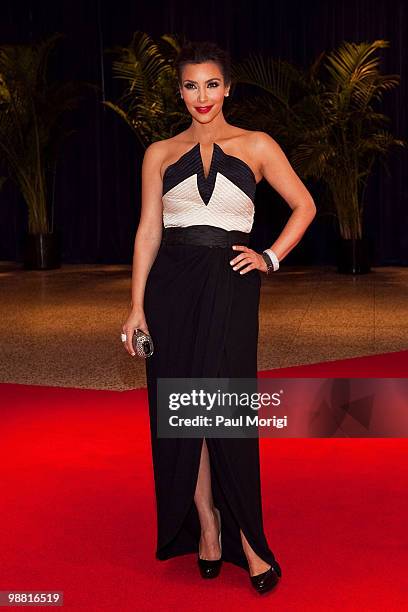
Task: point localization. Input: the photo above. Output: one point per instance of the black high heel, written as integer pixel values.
(267, 580)
(211, 568)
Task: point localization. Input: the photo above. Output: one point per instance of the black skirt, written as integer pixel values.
(203, 319)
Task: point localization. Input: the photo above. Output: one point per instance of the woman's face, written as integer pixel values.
(203, 90)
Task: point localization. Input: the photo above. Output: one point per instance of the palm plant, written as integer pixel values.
(330, 126)
(149, 104)
(31, 132)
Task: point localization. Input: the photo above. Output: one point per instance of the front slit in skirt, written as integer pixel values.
(203, 319)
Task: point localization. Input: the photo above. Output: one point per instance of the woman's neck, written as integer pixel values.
(210, 132)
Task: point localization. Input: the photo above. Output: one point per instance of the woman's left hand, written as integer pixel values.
(249, 258)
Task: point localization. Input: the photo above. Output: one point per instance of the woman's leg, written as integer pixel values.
(209, 545)
(256, 564)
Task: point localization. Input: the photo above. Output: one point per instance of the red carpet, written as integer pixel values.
(78, 513)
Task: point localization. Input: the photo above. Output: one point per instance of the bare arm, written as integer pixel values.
(149, 231)
(147, 240)
(276, 169)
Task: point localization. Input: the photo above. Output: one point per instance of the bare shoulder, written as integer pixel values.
(256, 146)
(274, 166)
(155, 150)
(260, 142)
(156, 154)
(161, 152)
(266, 152)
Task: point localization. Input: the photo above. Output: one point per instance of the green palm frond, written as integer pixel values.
(149, 103)
(141, 63)
(275, 77)
(326, 118)
(355, 76)
(31, 129)
(314, 160)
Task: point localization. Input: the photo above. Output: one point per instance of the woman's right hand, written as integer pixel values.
(135, 320)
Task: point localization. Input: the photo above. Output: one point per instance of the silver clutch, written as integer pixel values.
(142, 344)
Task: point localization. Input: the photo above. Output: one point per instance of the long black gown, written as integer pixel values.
(203, 319)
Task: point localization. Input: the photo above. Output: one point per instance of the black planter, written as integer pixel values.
(353, 256)
(42, 251)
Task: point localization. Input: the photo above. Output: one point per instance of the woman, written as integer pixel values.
(195, 290)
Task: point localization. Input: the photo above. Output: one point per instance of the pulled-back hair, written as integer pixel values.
(203, 51)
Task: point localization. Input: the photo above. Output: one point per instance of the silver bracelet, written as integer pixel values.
(273, 257)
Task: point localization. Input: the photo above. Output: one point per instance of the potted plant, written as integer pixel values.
(149, 104)
(31, 132)
(330, 126)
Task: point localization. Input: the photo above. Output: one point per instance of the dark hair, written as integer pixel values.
(203, 51)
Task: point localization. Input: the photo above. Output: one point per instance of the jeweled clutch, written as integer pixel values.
(142, 344)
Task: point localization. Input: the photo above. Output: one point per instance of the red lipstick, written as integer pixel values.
(203, 109)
